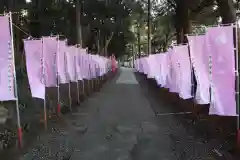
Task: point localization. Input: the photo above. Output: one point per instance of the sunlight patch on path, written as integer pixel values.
(127, 77)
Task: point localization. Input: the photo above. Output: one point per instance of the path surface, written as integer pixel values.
(118, 123)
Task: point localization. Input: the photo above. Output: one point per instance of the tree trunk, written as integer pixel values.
(107, 41)
(149, 27)
(178, 22)
(227, 11)
(138, 39)
(185, 20)
(98, 42)
(182, 20)
(78, 24)
(34, 24)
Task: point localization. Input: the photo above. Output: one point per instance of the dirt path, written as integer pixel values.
(119, 123)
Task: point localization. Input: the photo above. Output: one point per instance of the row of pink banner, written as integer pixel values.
(211, 57)
(49, 62)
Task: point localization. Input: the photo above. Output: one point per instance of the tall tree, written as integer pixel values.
(227, 11)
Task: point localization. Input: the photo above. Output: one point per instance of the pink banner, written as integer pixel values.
(136, 65)
(35, 71)
(50, 48)
(185, 83)
(6, 62)
(175, 72)
(200, 61)
(163, 68)
(169, 69)
(88, 64)
(97, 64)
(78, 64)
(141, 65)
(83, 64)
(152, 71)
(158, 59)
(93, 66)
(86, 67)
(62, 63)
(71, 63)
(102, 66)
(145, 65)
(221, 49)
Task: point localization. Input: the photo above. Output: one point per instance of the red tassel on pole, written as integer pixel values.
(20, 144)
(59, 109)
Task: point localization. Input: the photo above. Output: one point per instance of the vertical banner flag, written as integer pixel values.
(174, 58)
(82, 63)
(62, 63)
(185, 83)
(158, 68)
(141, 65)
(97, 58)
(145, 65)
(70, 63)
(101, 66)
(74, 52)
(50, 48)
(221, 50)
(200, 63)
(154, 66)
(6, 62)
(90, 66)
(169, 70)
(164, 69)
(78, 64)
(35, 70)
(94, 66)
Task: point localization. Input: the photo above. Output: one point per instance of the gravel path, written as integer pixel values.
(119, 123)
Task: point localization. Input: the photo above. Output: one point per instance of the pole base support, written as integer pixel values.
(20, 138)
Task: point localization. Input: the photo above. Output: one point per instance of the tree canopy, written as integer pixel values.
(105, 25)
(110, 26)
(171, 20)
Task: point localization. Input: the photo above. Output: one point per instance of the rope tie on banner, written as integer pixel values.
(22, 30)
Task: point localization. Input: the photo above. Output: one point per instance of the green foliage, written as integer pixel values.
(103, 22)
(107, 25)
(108, 21)
(163, 32)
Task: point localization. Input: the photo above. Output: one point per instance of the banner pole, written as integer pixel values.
(83, 87)
(68, 79)
(44, 76)
(78, 94)
(95, 82)
(91, 73)
(58, 78)
(15, 84)
(89, 85)
(76, 72)
(45, 113)
(237, 84)
(69, 94)
(192, 80)
(98, 78)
